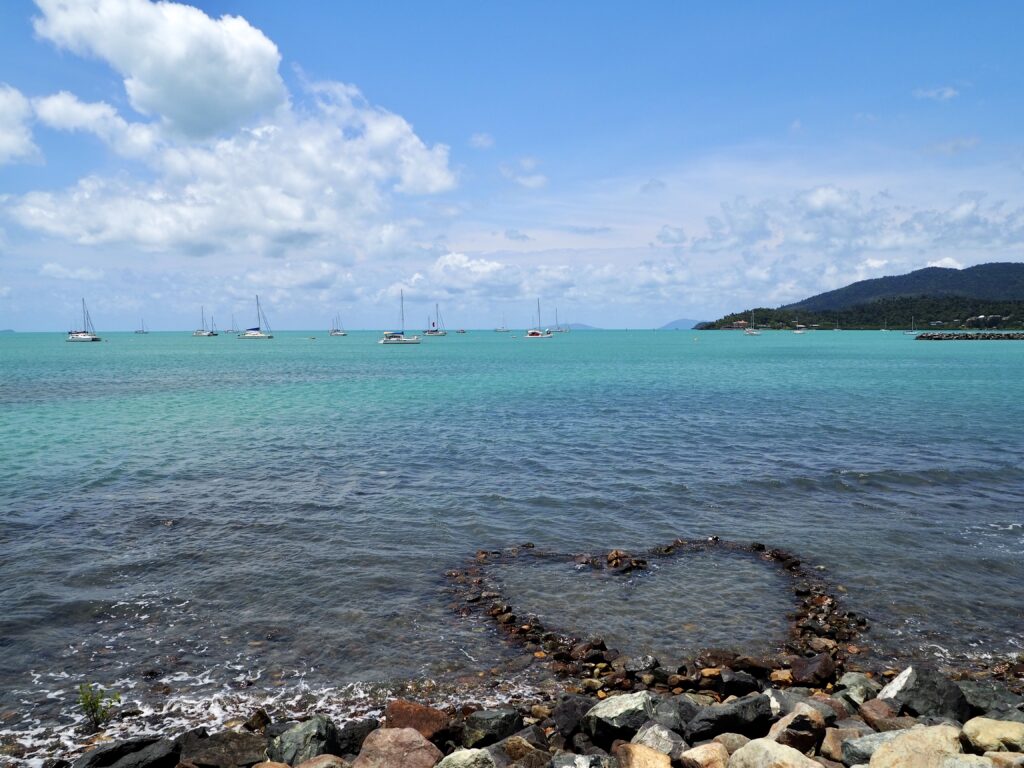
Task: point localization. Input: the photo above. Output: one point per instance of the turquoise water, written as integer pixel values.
(209, 514)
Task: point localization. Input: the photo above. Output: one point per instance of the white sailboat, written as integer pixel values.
(537, 333)
(558, 325)
(142, 326)
(336, 329)
(751, 330)
(262, 323)
(88, 332)
(502, 328)
(234, 325)
(436, 325)
(399, 337)
(202, 330)
(913, 328)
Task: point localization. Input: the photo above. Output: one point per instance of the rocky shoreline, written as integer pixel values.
(822, 699)
(985, 336)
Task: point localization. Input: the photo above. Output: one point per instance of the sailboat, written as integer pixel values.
(537, 333)
(142, 326)
(502, 328)
(558, 326)
(261, 323)
(436, 325)
(203, 330)
(234, 325)
(336, 329)
(399, 337)
(751, 330)
(88, 332)
(837, 328)
(913, 328)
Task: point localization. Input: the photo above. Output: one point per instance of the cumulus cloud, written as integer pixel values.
(481, 141)
(942, 93)
(64, 111)
(949, 263)
(15, 131)
(522, 173)
(200, 75)
(515, 234)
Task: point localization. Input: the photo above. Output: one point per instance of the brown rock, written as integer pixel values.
(639, 756)
(781, 676)
(397, 748)
(408, 714)
(271, 764)
(713, 755)
(324, 761)
(876, 709)
(731, 741)
(918, 748)
(832, 743)
(814, 671)
(802, 729)
(826, 762)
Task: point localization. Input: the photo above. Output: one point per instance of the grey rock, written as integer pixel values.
(353, 733)
(488, 726)
(569, 711)
(860, 750)
(619, 717)
(569, 760)
(988, 697)
(920, 691)
(317, 736)
(749, 716)
(738, 683)
(675, 712)
(225, 750)
(784, 702)
(113, 753)
(468, 758)
(661, 739)
(639, 664)
(858, 687)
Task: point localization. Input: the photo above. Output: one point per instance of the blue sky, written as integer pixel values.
(628, 164)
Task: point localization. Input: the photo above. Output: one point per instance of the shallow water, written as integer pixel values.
(209, 515)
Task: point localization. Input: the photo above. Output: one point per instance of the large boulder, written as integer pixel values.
(675, 712)
(926, 747)
(860, 750)
(316, 736)
(832, 742)
(813, 671)
(409, 714)
(749, 716)
(618, 717)
(132, 753)
(520, 752)
(227, 749)
(920, 691)
(487, 726)
(710, 755)
(569, 711)
(397, 748)
(858, 687)
(992, 699)
(986, 735)
(657, 736)
(765, 753)
(353, 733)
(322, 761)
(468, 758)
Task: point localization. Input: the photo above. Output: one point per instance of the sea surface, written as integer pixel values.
(185, 520)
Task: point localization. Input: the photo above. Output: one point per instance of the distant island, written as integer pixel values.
(984, 296)
(682, 324)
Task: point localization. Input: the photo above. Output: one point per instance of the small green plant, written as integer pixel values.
(96, 703)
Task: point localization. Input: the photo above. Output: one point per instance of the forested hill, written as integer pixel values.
(1003, 281)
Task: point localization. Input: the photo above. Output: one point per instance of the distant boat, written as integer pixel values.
(913, 328)
(461, 330)
(837, 328)
(558, 326)
(234, 325)
(537, 333)
(336, 329)
(399, 337)
(885, 325)
(142, 326)
(202, 330)
(502, 328)
(88, 332)
(436, 326)
(750, 330)
(261, 323)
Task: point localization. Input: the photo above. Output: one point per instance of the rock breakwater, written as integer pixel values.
(959, 336)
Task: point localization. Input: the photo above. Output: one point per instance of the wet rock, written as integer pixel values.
(517, 751)
(409, 714)
(918, 748)
(132, 753)
(764, 753)
(922, 691)
(860, 750)
(749, 716)
(487, 726)
(638, 664)
(302, 742)
(832, 742)
(569, 711)
(858, 687)
(639, 756)
(815, 670)
(352, 735)
(737, 683)
(731, 741)
(468, 758)
(802, 729)
(618, 717)
(225, 750)
(986, 735)
(656, 736)
(325, 761)
(711, 755)
(675, 712)
(397, 748)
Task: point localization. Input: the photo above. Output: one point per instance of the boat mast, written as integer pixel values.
(401, 298)
(538, 313)
(85, 324)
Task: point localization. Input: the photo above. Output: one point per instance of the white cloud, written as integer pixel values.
(955, 146)
(949, 263)
(15, 133)
(64, 111)
(200, 75)
(668, 235)
(942, 93)
(521, 174)
(515, 234)
(60, 272)
(481, 141)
